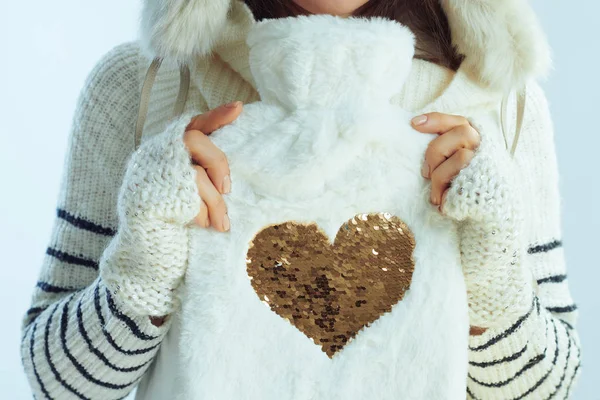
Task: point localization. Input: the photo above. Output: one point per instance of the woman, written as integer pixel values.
(84, 341)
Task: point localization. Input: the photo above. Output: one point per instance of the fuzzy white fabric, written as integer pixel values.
(502, 40)
(323, 145)
(181, 29)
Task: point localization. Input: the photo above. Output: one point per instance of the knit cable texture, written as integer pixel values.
(484, 198)
(146, 261)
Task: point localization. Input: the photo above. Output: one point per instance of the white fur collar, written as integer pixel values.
(332, 75)
(322, 60)
(502, 39)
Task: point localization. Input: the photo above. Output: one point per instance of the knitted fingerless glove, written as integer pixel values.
(146, 260)
(483, 197)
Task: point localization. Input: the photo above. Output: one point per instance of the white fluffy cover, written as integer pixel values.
(181, 29)
(502, 39)
(323, 145)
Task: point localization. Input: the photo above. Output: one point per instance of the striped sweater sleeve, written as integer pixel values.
(537, 355)
(77, 340)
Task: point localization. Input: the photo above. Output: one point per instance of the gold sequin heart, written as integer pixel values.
(331, 291)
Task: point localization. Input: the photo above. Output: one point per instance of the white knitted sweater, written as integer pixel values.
(82, 341)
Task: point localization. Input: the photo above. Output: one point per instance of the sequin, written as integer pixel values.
(332, 291)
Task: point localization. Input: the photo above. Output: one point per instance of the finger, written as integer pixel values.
(442, 202)
(444, 146)
(443, 175)
(216, 118)
(201, 218)
(217, 210)
(206, 154)
(435, 122)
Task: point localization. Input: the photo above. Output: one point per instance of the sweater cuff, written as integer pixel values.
(485, 190)
(512, 335)
(145, 262)
(160, 180)
(142, 324)
(484, 199)
(144, 268)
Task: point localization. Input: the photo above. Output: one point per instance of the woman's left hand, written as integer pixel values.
(447, 154)
(473, 181)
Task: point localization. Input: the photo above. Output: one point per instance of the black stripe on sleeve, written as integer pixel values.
(507, 332)
(562, 378)
(565, 323)
(510, 358)
(32, 314)
(80, 368)
(544, 248)
(35, 372)
(84, 224)
(107, 335)
(46, 287)
(543, 378)
(471, 395)
(564, 309)
(552, 279)
(530, 364)
(51, 364)
(97, 352)
(128, 321)
(574, 372)
(71, 259)
(35, 311)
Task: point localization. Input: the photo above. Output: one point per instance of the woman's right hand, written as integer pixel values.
(212, 169)
(173, 179)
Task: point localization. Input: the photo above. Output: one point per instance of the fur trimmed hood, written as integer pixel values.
(502, 40)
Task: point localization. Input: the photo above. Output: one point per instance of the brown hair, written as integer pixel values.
(425, 18)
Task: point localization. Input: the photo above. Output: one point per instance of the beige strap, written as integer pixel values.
(521, 96)
(184, 86)
(145, 99)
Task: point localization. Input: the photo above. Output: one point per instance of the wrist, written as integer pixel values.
(491, 305)
(476, 331)
(158, 321)
(142, 272)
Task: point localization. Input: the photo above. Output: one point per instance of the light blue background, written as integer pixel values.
(49, 47)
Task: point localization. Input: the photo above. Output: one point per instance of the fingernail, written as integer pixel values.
(207, 222)
(226, 222)
(226, 184)
(233, 104)
(425, 170)
(434, 200)
(419, 120)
